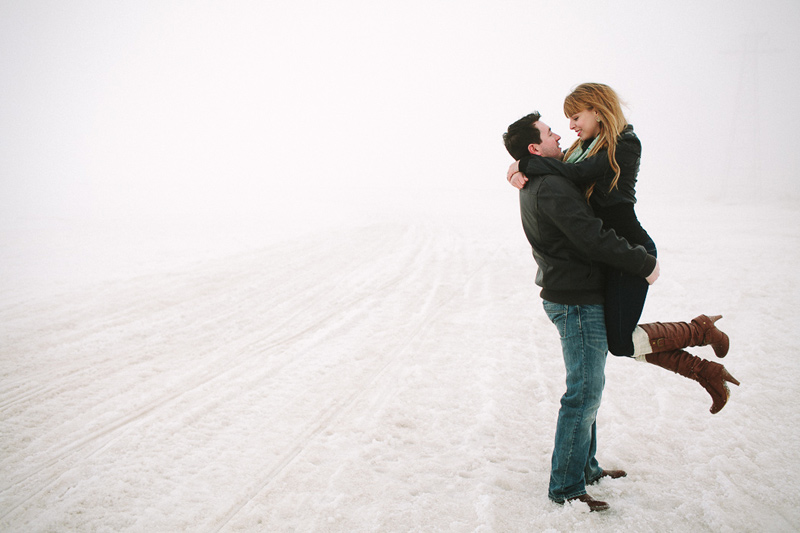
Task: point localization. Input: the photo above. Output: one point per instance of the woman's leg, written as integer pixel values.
(712, 376)
(625, 297)
(668, 336)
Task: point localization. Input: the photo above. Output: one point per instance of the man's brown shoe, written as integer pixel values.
(613, 474)
(594, 505)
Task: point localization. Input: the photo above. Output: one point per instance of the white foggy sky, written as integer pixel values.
(142, 107)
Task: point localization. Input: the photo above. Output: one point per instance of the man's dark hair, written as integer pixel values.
(521, 134)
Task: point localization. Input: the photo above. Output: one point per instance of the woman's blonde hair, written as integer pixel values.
(604, 100)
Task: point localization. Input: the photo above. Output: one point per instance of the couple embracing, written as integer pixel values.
(595, 264)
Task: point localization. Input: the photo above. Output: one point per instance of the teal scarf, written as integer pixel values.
(580, 153)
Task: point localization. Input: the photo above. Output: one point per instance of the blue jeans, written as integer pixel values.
(625, 295)
(583, 343)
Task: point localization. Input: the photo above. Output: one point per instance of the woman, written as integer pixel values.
(605, 161)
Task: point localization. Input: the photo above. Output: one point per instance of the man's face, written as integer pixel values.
(549, 145)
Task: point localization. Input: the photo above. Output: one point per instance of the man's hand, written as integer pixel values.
(515, 177)
(654, 274)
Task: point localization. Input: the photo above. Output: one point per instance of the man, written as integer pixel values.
(569, 246)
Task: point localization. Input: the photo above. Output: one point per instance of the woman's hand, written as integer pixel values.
(515, 177)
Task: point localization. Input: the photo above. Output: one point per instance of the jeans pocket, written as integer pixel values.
(557, 313)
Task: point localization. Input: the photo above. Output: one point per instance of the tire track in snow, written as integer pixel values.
(296, 297)
(223, 368)
(134, 309)
(434, 270)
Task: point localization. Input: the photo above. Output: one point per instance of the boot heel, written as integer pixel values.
(727, 377)
(713, 336)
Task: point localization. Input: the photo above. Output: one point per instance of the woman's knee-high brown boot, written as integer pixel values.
(668, 336)
(712, 376)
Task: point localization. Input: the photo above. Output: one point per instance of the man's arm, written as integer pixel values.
(563, 204)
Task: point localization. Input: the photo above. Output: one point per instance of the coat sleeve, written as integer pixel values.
(590, 170)
(596, 168)
(562, 203)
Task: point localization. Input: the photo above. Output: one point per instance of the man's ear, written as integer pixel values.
(533, 149)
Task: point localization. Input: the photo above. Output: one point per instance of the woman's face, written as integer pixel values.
(585, 124)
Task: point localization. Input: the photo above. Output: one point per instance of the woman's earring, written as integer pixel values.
(597, 118)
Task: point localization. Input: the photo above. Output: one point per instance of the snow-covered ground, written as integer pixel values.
(397, 375)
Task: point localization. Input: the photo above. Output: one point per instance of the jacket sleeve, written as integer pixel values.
(563, 204)
(588, 171)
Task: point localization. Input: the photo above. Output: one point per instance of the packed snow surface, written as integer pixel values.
(398, 375)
